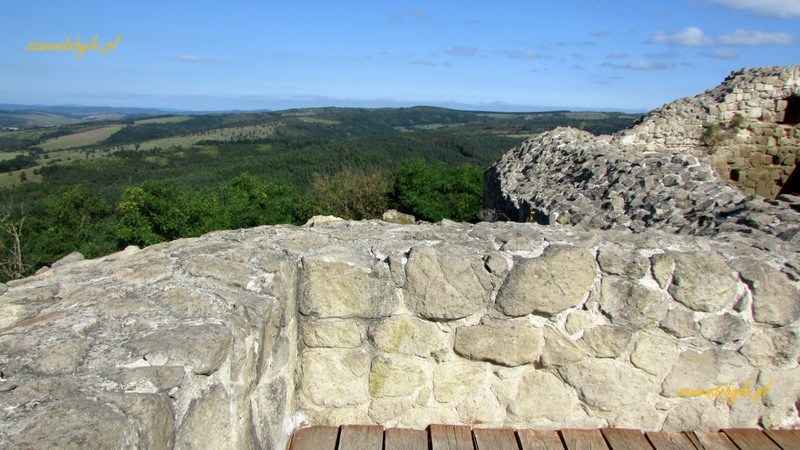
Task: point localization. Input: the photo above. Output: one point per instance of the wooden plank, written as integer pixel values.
(451, 437)
(315, 438)
(786, 439)
(539, 440)
(493, 439)
(713, 441)
(405, 439)
(584, 439)
(626, 439)
(663, 440)
(750, 439)
(361, 437)
(692, 437)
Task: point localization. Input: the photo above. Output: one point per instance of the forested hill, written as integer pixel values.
(97, 187)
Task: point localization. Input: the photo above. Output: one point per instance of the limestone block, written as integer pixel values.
(453, 380)
(336, 378)
(543, 396)
(724, 328)
(332, 333)
(200, 348)
(615, 261)
(338, 289)
(62, 358)
(559, 279)
(702, 281)
(446, 282)
(207, 424)
(772, 347)
(654, 353)
(775, 301)
(407, 335)
(607, 341)
(76, 423)
(395, 376)
(509, 342)
(680, 322)
(393, 216)
(559, 349)
(663, 266)
(591, 379)
(705, 370)
(630, 304)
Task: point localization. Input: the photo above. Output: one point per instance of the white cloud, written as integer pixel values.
(695, 37)
(524, 54)
(752, 38)
(723, 54)
(772, 8)
(462, 50)
(688, 37)
(190, 58)
(643, 64)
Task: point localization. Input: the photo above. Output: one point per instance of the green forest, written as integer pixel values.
(248, 169)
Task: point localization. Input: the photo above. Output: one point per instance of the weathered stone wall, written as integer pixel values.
(235, 338)
(740, 126)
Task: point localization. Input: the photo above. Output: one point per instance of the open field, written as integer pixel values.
(9, 179)
(81, 139)
(219, 134)
(172, 119)
(5, 156)
(40, 119)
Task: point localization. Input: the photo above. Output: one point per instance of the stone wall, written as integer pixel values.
(741, 126)
(235, 338)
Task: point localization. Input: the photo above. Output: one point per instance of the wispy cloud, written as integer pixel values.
(523, 54)
(695, 37)
(601, 33)
(192, 58)
(462, 50)
(662, 55)
(642, 64)
(617, 55)
(722, 54)
(414, 15)
(770, 8)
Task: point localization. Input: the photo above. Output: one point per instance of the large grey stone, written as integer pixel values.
(334, 378)
(775, 301)
(702, 281)
(542, 395)
(510, 343)
(607, 341)
(207, 423)
(457, 379)
(616, 261)
(395, 376)
(705, 370)
(559, 279)
(339, 289)
(591, 379)
(559, 349)
(724, 328)
(630, 304)
(332, 333)
(680, 322)
(446, 282)
(654, 353)
(407, 335)
(200, 348)
(772, 347)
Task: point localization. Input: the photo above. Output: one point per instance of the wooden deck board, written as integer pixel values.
(451, 437)
(750, 439)
(786, 439)
(315, 438)
(405, 439)
(361, 437)
(584, 439)
(713, 441)
(625, 439)
(494, 439)
(539, 440)
(662, 440)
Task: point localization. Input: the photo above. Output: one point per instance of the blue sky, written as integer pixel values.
(502, 55)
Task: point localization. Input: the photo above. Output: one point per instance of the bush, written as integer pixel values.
(352, 195)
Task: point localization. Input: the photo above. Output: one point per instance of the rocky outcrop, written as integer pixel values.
(672, 171)
(235, 338)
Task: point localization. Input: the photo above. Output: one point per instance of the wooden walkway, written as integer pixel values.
(456, 437)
